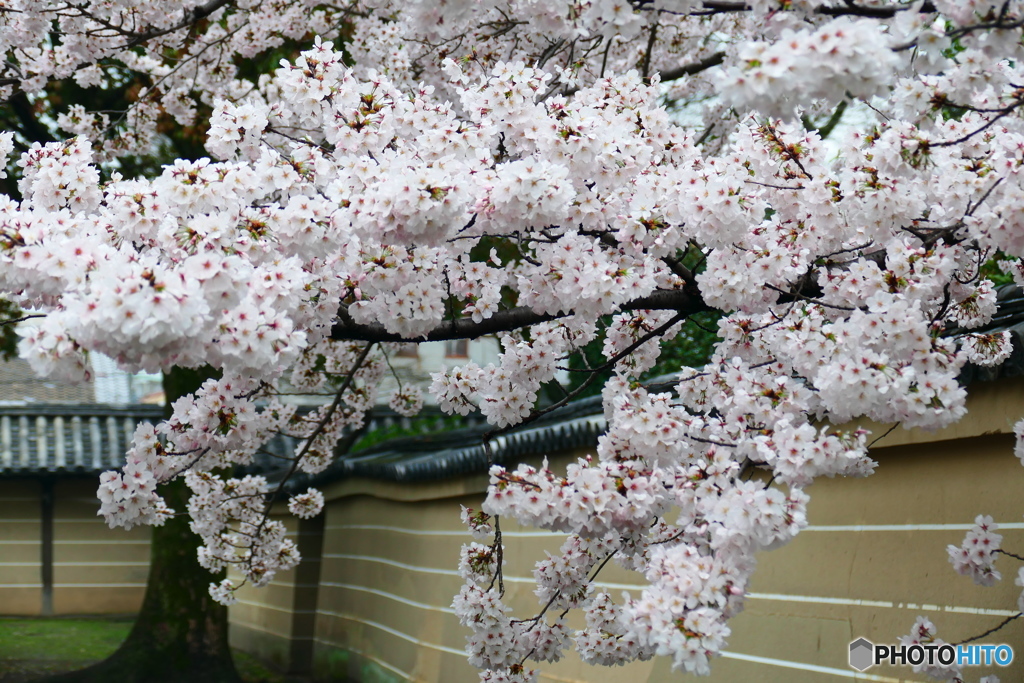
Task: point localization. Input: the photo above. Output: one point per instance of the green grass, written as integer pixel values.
(61, 639)
(30, 648)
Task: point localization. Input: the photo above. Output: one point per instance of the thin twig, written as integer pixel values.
(887, 433)
(1009, 554)
(992, 630)
(21, 319)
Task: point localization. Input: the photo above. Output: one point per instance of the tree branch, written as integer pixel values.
(694, 68)
(685, 301)
(992, 630)
(846, 10)
(197, 14)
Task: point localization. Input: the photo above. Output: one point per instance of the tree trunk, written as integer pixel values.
(180, 634)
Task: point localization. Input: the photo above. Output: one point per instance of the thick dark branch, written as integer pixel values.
(680, 270)
(651, 37)
(30, 126)
(681, 300)
(844, 10)
(826, 129)
(189, 18)
(686, 301)
(724, 6)
(852, 10)
(694, 68)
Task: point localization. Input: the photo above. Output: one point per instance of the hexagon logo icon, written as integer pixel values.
(862, 654)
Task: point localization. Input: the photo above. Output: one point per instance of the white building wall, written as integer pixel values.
(114, 386)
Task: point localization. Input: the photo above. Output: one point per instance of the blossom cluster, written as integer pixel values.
(975, 557)
(510, 169)
(217, 428)
(129, 497)
(843, 56)
(226, 514)
(923, 633)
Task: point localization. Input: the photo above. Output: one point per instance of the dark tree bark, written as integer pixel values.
(180, 634)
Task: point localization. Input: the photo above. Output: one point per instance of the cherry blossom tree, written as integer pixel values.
(425, 171)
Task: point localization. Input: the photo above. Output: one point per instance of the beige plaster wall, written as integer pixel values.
(261, 620)
(96, 569)
(20, 550)
(871, 561)
(992, 408)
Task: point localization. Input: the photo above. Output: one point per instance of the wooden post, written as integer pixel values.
(305, 597)
(46, 544)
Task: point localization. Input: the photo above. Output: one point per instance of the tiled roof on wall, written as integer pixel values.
(85, 438)
(1010, 318)
(458, 452)
(578, 425)
(92, 438)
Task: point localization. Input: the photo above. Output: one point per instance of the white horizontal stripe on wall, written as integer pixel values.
(821, 600)
(394, 632)
(362, 654)
(881, 603)
(780, 597)
(90, 520)
(554, 534)
(21, 585)
(100, 564)
(559, 679)
(99, 585)
(265, 605)
(844, 673)
(907, 527)
(393, 563)
(257, 627)
(126, 541)
(390, 596)
(802, 666)
(464, 533)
